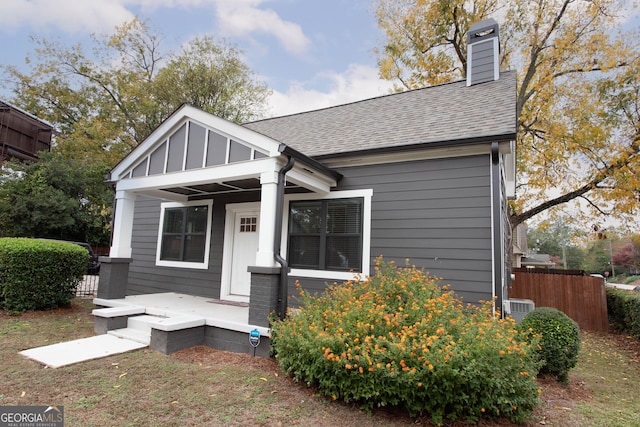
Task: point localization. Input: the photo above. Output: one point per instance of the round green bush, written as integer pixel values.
(559, 340)
(39, 274)
(398, 339)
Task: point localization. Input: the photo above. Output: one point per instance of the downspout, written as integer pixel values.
(277, 241)
(498, 243)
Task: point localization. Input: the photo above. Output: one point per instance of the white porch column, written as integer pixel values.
(122, 225)
(266, 238)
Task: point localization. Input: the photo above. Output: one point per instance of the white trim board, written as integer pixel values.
(367, 195)
(227, 250)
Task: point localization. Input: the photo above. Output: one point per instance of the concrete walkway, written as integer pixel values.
(70, 352)
(620, 286)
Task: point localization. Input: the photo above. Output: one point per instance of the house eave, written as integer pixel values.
(288, 151)
(503, 139)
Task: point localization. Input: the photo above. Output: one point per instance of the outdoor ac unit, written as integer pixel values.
(518, 308)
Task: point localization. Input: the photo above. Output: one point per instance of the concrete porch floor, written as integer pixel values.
(225, 315)
(183, 321)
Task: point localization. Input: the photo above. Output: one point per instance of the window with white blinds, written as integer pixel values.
(326, 234)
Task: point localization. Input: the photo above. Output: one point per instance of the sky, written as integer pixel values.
(311, 54)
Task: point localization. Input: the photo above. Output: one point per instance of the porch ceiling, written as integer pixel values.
(237, 177)
(204, 191)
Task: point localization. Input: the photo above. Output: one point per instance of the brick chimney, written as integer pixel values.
(483, 52)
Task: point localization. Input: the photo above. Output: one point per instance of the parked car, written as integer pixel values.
(93, 266)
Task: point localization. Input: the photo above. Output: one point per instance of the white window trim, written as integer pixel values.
(181, 264)
(366, 195)
(227, 251)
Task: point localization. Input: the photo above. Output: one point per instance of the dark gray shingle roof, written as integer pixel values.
(443, 113)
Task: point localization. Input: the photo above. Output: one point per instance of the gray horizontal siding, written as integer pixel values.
(435, 213)
(145, 277)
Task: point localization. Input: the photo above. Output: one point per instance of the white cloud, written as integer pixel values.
(357, 82)
(70, 16)
(157, 4)
(241, 18)
(237, 18)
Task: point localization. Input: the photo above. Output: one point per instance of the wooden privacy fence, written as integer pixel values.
(582, 298)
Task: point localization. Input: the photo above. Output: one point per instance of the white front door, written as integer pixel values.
(240, 249)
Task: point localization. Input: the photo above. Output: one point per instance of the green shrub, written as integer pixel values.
(400, 340)
(624, 310)
(39, 274)
(559, 340)
(631, 279)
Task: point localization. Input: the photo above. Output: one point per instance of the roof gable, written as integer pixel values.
(193, 139)
(443, 113)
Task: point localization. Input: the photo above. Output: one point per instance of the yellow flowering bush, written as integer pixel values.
(399, 339)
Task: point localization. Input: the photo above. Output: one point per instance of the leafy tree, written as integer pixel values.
(628, 256)
(577, 94)
(574, 257)
(597, 257)
(212, 77)
(106, 102)
(558, 239)
(57, 197)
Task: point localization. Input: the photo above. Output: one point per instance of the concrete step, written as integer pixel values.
(132, 334)
(142, 323)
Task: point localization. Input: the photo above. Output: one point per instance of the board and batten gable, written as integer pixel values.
(435, 213)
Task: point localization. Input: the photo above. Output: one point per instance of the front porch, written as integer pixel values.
(199, 210)
(172, 321)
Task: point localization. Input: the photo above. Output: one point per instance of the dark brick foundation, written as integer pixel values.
(103, 324)
(168, 342)
(114, 274)
(264, 294)
(237, 342)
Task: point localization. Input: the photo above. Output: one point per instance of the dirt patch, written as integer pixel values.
(627, 343)
(208, 356)
(559, 399)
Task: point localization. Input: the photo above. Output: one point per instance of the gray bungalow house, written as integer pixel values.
(215, 221)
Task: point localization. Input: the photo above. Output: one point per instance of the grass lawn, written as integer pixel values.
(201, 386)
